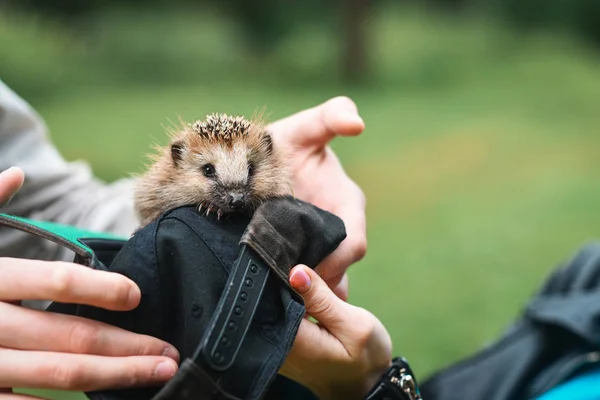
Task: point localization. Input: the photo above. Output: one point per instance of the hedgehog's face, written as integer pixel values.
(229, 177)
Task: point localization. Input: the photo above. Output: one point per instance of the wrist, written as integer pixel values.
(374, 377)
(351, 389)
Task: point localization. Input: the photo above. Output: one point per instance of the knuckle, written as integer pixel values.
(83, 338)
(358, 196)
(61, 280)
(361, 248)
(134, 376)
(321, 305)
(66, 376)
(358, 246)
(358, 192)
(361, 198)
(367, 327)
(364, 332)
(147, 346)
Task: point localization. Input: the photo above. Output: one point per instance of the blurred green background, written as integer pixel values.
(480, 157)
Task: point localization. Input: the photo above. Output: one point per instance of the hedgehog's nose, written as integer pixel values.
(236, 200)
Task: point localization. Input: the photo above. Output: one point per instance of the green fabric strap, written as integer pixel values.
(65, 235)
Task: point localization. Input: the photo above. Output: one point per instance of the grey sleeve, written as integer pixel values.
(54, 189)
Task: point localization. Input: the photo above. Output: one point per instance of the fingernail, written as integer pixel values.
(165, 370)
(300, 281)
(171, 353)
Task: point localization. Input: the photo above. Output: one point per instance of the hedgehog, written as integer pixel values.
(223, 164)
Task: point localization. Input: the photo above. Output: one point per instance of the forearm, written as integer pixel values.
(54, 190)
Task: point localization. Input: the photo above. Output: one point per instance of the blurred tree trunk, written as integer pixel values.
(354, 51)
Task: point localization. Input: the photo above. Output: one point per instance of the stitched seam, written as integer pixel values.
(203, 240)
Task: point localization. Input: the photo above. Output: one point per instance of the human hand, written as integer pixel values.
(318, 178)
(42, 350)
(345, 353)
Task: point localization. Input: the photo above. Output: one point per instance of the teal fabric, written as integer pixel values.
(69, 232)
(583, 387)
(70, 235)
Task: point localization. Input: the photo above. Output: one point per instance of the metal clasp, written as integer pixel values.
(406, 383)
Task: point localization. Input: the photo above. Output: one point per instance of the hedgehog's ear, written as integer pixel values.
(267, 142)
(176, 152)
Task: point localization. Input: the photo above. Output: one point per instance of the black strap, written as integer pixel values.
(83, 255)
(226, 332)
(235, 311)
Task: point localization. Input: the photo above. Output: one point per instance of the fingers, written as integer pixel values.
(341, 288)
(346, 352)
(318, 125)
(354, 247)
(320, 301)
(69, 334)
(22, 279)
(316, 342)
(11, 181)
(44, 370)
(11, 396)
(332, 269)
(333, 314)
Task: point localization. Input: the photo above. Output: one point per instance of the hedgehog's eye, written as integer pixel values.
(208, 170)
(250, 169)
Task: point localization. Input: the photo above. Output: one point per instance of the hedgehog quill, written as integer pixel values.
(223, 165)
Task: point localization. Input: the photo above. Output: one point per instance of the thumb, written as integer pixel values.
(320, 301)
(316, 126)
(11, 181)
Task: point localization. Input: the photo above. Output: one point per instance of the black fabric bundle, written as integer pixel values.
(554, 339)
(218, 291)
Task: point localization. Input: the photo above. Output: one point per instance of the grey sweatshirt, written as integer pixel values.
(54, 189)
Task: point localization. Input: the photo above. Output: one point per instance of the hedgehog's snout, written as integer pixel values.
(236, 200)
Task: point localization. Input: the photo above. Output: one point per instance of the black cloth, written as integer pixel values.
(284, 239)
(182, 262)
(556, 337)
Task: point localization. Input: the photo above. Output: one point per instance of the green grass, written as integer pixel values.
(479, 159)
